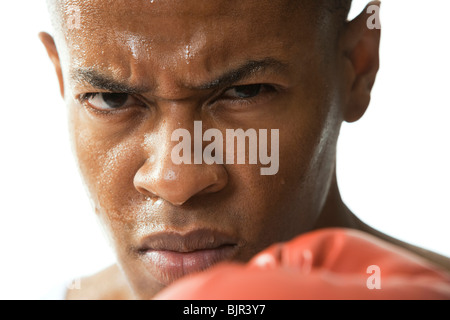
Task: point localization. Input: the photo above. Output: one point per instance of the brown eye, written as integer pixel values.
(115, 100)
(245, 92)
(108, 101)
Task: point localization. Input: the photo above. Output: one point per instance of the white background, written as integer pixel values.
(393, 165)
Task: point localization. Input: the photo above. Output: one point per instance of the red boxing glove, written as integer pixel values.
(323, 264)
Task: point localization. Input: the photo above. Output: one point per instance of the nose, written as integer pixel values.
(177, 183)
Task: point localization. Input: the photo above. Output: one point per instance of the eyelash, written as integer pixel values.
(83, 99)
(266, 89)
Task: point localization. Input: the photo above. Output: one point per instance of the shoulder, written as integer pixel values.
(108, 284)
(440, 261)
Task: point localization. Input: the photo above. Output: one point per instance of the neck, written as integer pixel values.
(335, 214)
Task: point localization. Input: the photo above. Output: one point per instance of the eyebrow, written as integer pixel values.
(105, 82)
(244, 71)
(101, 81)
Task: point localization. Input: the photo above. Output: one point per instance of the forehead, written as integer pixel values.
(120, 35)
(166, 9)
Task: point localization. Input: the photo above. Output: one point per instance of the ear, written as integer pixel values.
(361, 43)
(49, 43)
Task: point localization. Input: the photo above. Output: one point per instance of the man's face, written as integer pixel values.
(230, 64)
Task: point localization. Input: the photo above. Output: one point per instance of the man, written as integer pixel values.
(134, 72)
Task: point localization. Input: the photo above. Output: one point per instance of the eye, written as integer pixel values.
(108, 101)
(244, 92)
(252, 93)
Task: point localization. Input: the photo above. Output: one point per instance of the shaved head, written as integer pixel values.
(338, 8)
(327, 15)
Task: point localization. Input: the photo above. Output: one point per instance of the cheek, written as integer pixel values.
(276, 208)
(108, 164)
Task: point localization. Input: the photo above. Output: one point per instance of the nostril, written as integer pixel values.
(215, 187)
(145, 192)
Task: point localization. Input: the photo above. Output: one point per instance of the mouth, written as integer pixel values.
(169, 256)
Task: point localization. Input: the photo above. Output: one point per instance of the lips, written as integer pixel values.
(169, 256)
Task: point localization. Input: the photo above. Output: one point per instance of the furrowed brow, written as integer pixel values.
(244, 71)
(101, 81)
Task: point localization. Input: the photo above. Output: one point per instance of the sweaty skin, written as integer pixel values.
(175, 62)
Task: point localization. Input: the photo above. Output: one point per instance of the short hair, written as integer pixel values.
(340, 8)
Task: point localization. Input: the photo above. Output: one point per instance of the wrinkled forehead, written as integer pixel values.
(102, 32)
(172, 20)
(136, 15)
